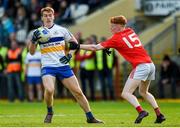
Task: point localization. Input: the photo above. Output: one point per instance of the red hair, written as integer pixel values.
(118, 20)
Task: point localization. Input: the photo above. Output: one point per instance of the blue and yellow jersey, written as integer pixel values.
(54, 49)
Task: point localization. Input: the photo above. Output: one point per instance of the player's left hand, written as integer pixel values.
(65, 59)
(108, 51)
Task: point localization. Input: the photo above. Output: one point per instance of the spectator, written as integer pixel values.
(1, 35)
(3, 88)
(8, 28)
(34, 22)
(35, 7)
(10, 8)
(33, 73)
(87, 69)
(24, 52)
(1, 73)
(64, 13)
(169, 74)
(1, 65)
(78, 10)
(73, 62)
(105, 64)
(21, 25)
(1, 9)
(13, 70)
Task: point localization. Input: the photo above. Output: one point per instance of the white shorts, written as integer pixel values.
(145, 71)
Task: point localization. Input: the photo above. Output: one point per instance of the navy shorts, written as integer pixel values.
(58, 72)
(31, 80)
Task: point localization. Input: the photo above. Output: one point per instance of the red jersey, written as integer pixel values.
(129, 46)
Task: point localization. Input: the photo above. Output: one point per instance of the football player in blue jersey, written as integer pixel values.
(55, 64)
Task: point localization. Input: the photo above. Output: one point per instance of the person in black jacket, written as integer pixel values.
(169, 74)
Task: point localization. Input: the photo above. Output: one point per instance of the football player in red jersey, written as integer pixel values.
(127, 43)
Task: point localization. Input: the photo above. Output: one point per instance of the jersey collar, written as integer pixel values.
(51, 26)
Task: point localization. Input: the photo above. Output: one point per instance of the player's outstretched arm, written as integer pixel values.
(91, 47)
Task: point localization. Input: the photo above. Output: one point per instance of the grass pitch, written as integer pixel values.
(68, 114)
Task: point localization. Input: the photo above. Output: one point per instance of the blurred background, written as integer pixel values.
(102, 77)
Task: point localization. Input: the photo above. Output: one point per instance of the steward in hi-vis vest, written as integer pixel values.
(14, 60)
(87, 70)
(13, 70)
(104, 64)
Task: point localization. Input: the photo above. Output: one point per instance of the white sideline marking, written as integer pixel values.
(27, 115)
(55, 115)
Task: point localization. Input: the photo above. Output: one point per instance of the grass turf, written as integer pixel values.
(69, 114)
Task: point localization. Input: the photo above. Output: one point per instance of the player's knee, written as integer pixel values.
(50, 90)
(142, 93)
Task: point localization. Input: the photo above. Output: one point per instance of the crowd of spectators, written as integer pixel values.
(17, 20)
(18, 17)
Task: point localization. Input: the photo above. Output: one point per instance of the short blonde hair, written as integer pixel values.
(48, 9)
(118, 20)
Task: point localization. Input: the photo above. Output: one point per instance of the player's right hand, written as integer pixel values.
(36, 36)
(108, 51)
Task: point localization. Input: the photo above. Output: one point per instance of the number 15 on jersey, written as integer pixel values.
(132, 41)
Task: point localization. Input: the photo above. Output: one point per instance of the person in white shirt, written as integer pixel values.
(55, 64)
(33, 75)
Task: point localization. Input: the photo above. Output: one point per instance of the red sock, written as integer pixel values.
(139, 109)
(157, 111)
